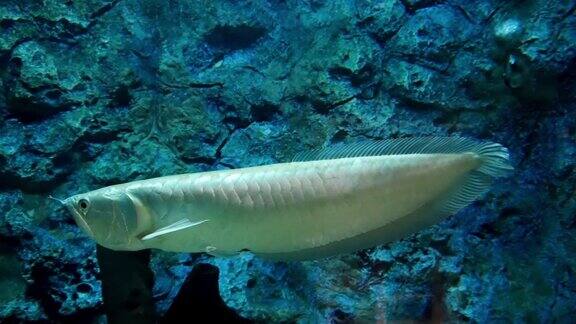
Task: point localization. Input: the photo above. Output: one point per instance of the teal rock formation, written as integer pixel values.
(94, 93)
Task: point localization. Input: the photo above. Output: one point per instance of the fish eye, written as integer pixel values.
(83, 204)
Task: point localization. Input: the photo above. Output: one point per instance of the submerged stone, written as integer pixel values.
(103, 92)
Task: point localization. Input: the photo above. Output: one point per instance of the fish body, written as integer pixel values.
(339, 203)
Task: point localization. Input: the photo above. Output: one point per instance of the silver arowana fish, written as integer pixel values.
(325, 202)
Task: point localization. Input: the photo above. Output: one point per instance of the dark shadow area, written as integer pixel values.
(234, 37)
(127, 283)
(199, 298)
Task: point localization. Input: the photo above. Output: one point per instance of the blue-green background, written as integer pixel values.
(94, 93)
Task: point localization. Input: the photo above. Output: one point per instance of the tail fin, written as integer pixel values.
(494, 164)
(495, 160)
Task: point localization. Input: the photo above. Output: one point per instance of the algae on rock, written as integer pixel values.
(102, 92)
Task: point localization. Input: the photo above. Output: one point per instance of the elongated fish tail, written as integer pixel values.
(495, 160)
(494, 163)
(489, 162)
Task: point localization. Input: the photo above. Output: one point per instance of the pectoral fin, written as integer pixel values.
(178, 226)
(214, 251)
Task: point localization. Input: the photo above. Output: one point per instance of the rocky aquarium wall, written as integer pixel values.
(95, 93)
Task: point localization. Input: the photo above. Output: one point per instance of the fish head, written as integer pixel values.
(109, 217)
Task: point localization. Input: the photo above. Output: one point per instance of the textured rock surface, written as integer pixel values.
(102, 92)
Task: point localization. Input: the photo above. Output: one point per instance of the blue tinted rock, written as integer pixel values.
(121, 162)
(509, 31)
(17, 222)
(34, 172)
(538, 43)
(170, 272)
(245, 278)
(35, 93)
(11, 139)
(244, 146)
(420, 86)
(62, 273)
(24, 310)
(382, 19)
(418, 4)
(98, 93)
(54, 137)
(433, 36)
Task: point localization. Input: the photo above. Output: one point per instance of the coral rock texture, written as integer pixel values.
(94, 93)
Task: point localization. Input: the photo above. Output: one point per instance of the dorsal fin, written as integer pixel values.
(495, 156)
(411, 145)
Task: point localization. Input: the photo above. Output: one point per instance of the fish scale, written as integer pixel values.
(325, 202)
(246, 220)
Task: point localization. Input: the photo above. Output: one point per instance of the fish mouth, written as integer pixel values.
(84, 225)
(78, 218)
